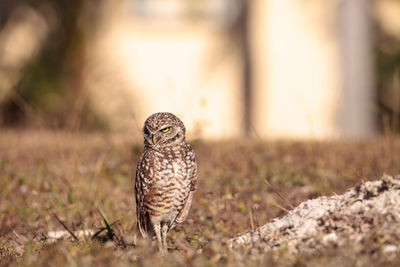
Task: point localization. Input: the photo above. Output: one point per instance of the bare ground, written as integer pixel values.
(74, 176)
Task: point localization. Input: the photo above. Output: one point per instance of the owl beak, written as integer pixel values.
(154, 139)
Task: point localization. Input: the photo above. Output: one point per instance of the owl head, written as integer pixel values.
(163, 129)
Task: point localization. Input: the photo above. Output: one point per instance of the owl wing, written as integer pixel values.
(143, 183)
(192, 176)
(192, 170)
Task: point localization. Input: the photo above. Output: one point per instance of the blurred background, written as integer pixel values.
(304, 69)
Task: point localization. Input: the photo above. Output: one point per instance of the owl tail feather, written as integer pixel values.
(144, 225)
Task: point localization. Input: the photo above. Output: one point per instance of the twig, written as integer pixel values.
(66, 228)
(278, 194)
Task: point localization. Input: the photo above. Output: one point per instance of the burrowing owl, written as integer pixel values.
(166, 177)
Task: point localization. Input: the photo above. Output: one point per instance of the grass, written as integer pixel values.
(75, 176)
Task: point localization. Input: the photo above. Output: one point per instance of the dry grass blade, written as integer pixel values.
(105, 220)
(111, 235)
(66, 227)
(278, 194)
(110, 231)
(280, 207)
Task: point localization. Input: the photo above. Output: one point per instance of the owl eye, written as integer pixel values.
(165, 129)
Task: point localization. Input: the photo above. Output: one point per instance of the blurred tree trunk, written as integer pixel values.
(52, 83)
(357, 116)
(244, 44)
(6, 8)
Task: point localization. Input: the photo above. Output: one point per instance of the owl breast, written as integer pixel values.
(166, 183)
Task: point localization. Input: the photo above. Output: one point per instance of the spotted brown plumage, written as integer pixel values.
(166, 177)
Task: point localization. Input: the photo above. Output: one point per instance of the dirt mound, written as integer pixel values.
(367, 217)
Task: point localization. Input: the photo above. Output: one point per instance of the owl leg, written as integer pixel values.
(164, 237)
(157, 230)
